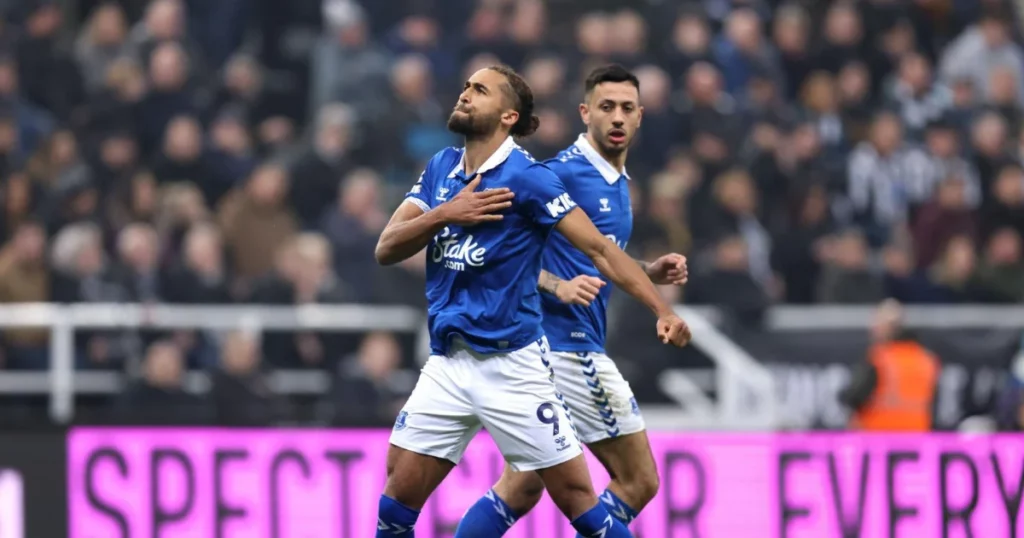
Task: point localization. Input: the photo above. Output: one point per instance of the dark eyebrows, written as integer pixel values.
(476, 86)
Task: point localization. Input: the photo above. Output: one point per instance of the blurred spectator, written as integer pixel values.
(989, 144)
(117, 105)
(116, 159)
(945, 160)
(982, 47)
(800, 250)
(25, 278)
(842, 39)
(1005, 206)
(201, 276)
(742, 49)
(820, 99)
(159, 397)
(416, 122)
(791, 35)
(353, 228)
(21, 197)
(48, 73)
(1001, 271)
(100, 44)
(137, 270)
(181, 158)
(735, 213)
(367, 391)
(690, 43)
(246, 94)
(347, 65)
(882, 184)
(947, 216)
(953, 277)
(1003, 96)
(326, 159)
(164, 22)
(894, 389)
(82, 275)
(181, 206)
(711, 117)
(846, 277)
(240, 393)
(661, 125)
(853, 84)
(169, 94)
(231, 155)
(256, 221)
(34, 123)
(916, 97)
(729, 284)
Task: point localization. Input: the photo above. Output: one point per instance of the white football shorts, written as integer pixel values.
(599, 399)
(509, 394)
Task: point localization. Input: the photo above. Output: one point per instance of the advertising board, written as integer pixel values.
(176, 483)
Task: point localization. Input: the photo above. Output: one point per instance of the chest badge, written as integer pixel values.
(604, 205)
(442, 194)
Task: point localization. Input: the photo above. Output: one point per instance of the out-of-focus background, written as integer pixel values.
(184, 171)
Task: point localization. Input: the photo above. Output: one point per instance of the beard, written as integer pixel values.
(472, 126)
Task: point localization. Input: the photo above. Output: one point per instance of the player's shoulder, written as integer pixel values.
(445, 161)
(567, 163)
(523, 165)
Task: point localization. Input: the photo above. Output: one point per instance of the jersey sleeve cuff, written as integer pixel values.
(418, 203)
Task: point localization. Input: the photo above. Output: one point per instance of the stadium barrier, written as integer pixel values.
(178, 483)
(744, 389)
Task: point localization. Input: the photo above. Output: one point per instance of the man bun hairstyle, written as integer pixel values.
(610, 73)
(521, 96)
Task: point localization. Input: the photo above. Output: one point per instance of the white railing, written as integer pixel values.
(739, 378)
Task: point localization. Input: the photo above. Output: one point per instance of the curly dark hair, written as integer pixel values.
(521, 97)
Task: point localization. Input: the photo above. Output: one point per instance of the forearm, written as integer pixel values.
(548, 282)
(629, 275)
(401, 241)
(645, 266)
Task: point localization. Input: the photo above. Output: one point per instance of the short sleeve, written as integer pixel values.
(419, 194)
(542, 196)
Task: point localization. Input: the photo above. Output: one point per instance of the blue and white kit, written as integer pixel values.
(600, 400)
(488, 351)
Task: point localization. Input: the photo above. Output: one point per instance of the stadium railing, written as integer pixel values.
(744, 389)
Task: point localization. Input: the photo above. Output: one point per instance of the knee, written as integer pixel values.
(641, 487)
(520, 491)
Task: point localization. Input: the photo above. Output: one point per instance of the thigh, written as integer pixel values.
(519, 406)
(438, 419)
(599, 398)
(413, 477)
(626, 457)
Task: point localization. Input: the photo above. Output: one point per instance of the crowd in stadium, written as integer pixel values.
(192, 152)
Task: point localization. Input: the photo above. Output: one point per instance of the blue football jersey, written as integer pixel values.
(482, 280)
(603, 194)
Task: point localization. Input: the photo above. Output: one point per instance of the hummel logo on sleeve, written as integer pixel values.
(560, 205)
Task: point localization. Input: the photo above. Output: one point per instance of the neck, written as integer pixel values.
(617, 161)
(479, 150)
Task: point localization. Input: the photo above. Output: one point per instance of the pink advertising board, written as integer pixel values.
(211, 483)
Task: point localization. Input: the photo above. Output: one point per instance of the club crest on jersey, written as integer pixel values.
(455, 252)
(400, 421)
(604, 205)
(560, 205)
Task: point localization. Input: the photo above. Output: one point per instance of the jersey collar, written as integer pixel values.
(492, 162)
(608, 172)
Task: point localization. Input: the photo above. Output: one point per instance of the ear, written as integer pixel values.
(585, 114)
(509, 119)
(639, 115)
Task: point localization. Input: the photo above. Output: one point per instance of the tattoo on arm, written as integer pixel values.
(548, 282)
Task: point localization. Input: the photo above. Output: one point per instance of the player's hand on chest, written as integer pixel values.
(472, 204)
